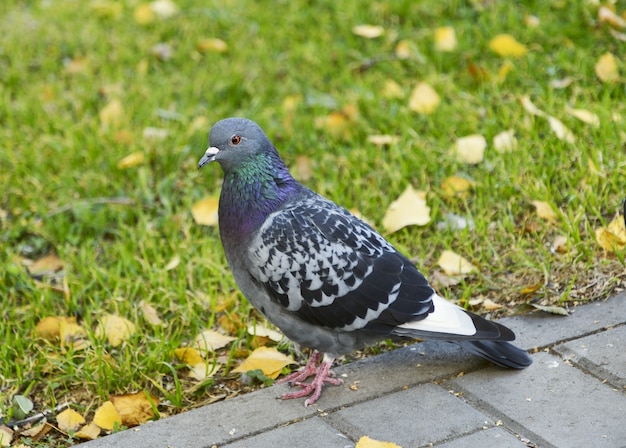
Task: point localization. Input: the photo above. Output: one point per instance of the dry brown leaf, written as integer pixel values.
(606, 68)
(368, 31)
(210, 340)
(530, 107)
(46, 265)
(424, 99)
(562, 83)
(409, 209)
(552, 309)
(90, 431)
(132, 159)
(69, 420)
(545, 210)
(269, 360)
(454, 264)
(6, 435)
(188, 355)
(505, 141)
(134, 409)
(107, 417)
(150, 313)
(214, 45)
(471, 149)
(455, 186)
(382, 140)
(204, 211)
(585, 116)
(559, 244)
(112, 114)
(116, 329)
(445, 39)
(507, 45)
(366, 442)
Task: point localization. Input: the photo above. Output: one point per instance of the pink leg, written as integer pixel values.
(323, 374)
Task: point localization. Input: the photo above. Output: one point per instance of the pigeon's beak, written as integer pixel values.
(208, 157)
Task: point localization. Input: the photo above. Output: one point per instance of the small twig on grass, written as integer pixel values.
(92, 201)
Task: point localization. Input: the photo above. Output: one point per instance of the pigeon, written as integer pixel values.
(327, 279)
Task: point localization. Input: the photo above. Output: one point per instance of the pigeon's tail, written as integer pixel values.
(500, 353)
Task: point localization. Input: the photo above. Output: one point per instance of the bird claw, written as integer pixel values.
(322, 375)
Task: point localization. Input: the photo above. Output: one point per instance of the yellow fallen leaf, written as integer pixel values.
(210, 340)
(335, 123)
(72, 335)
(33, 431)
(50, 327)
(212, 44)
(392, 89)
(173, 263)
(116, 329)
(612, 237)
(454, 264)
(264, 331)
(530, 107)
(490, 305)
(506, 45)
(445, 39)
(409, 209)
(46, 265)
(164, 9)
(143, 14)
(403, 49)
(561, 131)
(471, 149)
(188, 355)
(382, 140)
(269, 360)
(455, 186)
(424, 99)
(531, 21)
(111, 114)
(608, 16)
(505, 141)
(366, 442)
(135, 409)
(107, 417)
(203, 370)
(107, 9)
(559, 244)
(150, 313)
(204, 211)
(69, 420)
(368, 31)
(545, 211)
(585, 116)
(90, 431)
(606, 68)
(504, 70)
(132, 159)
(6, 435)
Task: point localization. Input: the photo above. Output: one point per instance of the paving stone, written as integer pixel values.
(306, 434)
(411, 418)
(551, 403)
(488, 438)
(601, 353)
(541, 329)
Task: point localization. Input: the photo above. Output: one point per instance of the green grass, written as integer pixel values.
(56, 159)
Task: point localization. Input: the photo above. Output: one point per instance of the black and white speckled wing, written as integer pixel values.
(333, 270)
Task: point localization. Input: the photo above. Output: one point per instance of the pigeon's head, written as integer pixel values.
(233, 140)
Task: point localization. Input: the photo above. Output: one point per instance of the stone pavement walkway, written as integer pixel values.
(433, 394)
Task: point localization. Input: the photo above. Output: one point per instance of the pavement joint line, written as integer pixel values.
(573, 338)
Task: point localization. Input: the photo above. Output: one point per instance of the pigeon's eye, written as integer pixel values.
(235, 139)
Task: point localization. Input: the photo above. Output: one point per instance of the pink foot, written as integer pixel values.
(322, 374)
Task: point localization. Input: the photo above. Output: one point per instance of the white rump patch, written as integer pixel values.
(447, 318)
